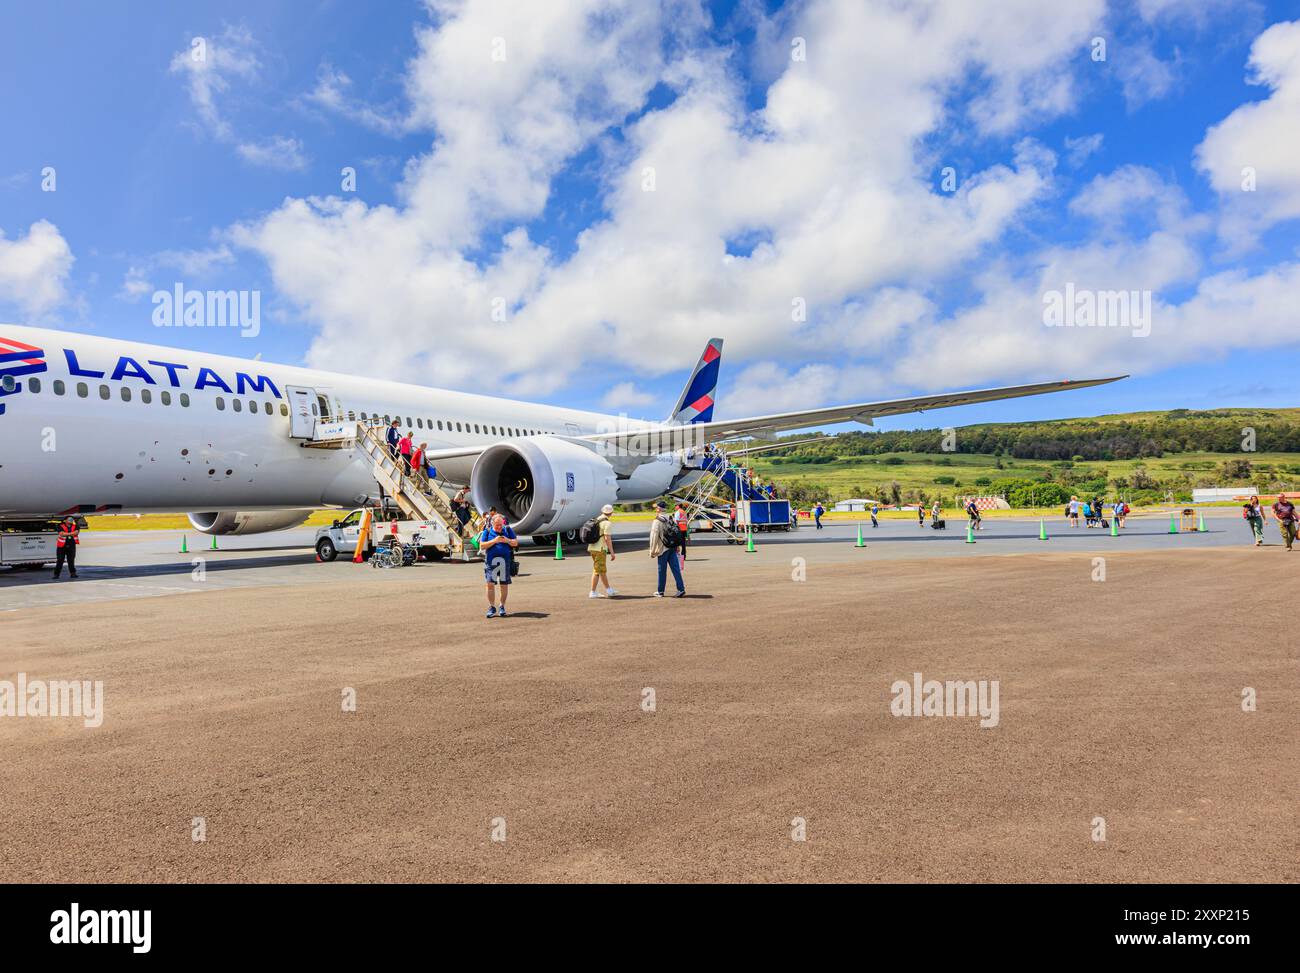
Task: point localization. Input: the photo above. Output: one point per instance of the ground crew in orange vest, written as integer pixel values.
(69, 538)
(683, 524)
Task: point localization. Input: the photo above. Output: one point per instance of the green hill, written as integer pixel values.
(1143, 456)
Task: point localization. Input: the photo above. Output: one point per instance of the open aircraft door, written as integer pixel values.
(302, 411)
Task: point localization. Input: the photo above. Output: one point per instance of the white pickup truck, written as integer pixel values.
(342, 535)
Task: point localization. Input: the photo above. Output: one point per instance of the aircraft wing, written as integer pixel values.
(650, 439)
(662, 438)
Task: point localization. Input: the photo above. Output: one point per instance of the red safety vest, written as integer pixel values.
(67, 533)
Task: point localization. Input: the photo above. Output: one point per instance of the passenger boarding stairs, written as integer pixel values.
(416, 496)
(703, 499)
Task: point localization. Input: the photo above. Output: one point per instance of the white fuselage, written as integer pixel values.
(117, 426)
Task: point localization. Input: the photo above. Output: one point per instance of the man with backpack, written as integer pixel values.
(665, 538)
(598, 535)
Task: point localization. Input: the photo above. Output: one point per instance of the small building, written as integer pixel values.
(853, 505)
(1223, 493)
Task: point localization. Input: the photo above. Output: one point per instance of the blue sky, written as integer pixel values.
(523, 186)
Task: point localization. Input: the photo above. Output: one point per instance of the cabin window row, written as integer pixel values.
(59, 387)
(449, 426)
(165, 397)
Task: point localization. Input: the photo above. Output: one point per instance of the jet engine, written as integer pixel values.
(541, 484)
(252, 522)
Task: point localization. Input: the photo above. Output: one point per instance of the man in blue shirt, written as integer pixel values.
(497, 543)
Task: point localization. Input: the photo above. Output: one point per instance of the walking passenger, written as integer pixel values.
(1254, 514)
(663, 548)
(600, 550)
(497, 543)
(1285, 512)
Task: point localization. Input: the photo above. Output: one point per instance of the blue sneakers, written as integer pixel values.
(492, 612)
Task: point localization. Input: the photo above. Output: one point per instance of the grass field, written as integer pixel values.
(864, 476)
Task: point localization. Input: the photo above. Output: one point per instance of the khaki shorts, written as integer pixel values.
(597, 562)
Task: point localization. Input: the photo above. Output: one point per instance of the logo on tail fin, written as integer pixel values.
(696, 402)
(17, 359)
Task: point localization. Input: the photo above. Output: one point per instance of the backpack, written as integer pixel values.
(589, 533)
(670, 535)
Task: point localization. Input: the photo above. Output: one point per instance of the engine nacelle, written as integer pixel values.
(542, 485)
(251, 522)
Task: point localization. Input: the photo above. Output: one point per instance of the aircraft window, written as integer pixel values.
(387, 420)
(185, 400)
(352, 416)
(439, 425)
(34, 384)
(269, 411)
(363, 417)
(284, 409)
(419, 423)
(313, 409)
(126, 394)
(476, 427)
(252, 407)
(458, 429)
(166, 397)
(82, 391)
(104, 392)
(8, 383)
(146, 396)
(221, 404)
(237, 405)
(59, 387)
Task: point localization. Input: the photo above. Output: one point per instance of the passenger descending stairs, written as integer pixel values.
(414, 494)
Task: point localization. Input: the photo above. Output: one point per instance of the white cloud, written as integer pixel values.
(1262, 137)
(625, 396)
(276, 152)
(333, 93)
(208, 66)
(197, 263)
(1143, 76)
(135, 285)
(1079, 150)
(34, 269)
(830, 174)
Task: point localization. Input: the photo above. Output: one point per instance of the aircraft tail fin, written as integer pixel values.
(696, 401)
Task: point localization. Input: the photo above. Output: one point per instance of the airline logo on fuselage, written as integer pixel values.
(152, 372)
(17, 359)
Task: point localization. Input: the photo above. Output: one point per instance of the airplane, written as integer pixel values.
(94, 425)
